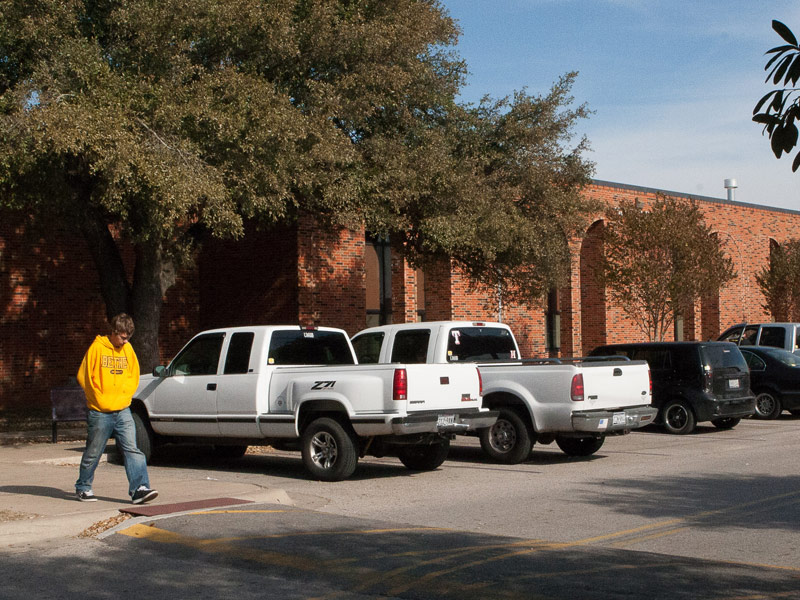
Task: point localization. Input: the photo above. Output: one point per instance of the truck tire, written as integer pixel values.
(145, 436)
(329, 451)
(508, 441)
(580, 446)
(424, 457)
(678, 417)
(768, 406)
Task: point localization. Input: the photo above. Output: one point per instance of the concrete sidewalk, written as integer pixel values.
(37, 493)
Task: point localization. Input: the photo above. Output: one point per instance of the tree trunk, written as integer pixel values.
(107, 259)
(152, 277)
(143, 301)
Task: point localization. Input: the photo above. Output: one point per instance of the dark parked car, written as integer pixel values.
(774, 379)
(693, 381)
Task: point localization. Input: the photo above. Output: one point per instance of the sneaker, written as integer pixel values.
(143, 494)
(87, 496)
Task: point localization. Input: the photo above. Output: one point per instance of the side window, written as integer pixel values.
(411, 346)
(657, 358)
(772, 336)
(748, 337)
(200, 357)
(238, 359)
(732, 336)
(754, 362)
(368, 347)
(606, 351)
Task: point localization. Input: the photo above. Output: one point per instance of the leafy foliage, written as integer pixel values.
(658, 262)
(779, 110)
(170, 121)
(780, 281)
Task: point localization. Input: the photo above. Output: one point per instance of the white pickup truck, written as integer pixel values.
(574, 402)
(235, 387)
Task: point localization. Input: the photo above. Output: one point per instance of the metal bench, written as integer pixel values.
(68, 404)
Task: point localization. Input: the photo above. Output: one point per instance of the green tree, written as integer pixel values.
(658, 262)
(779, 110)
(780, 281)
(153, 125)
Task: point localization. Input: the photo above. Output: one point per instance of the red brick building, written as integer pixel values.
(52, 309)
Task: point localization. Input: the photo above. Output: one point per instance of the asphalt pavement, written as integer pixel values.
(37, 492)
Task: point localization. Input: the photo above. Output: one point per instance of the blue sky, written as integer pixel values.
(672, 82)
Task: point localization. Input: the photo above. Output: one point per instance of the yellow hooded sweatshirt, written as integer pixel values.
(108, 376)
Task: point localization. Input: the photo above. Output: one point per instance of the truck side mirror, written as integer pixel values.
(160, 371)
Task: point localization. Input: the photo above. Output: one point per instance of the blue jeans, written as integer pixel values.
(101, 426)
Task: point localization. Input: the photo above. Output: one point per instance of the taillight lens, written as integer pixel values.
(708, 380)
(650, 379)
(480, 382)
(400, 385)
(576, 389)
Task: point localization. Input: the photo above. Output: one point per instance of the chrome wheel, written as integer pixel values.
(508, 441)
(329, 449)
(502, 436)
(324, 450)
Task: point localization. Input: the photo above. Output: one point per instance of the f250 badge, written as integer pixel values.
(323, 385)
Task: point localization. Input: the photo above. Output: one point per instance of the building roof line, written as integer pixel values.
(636, 188)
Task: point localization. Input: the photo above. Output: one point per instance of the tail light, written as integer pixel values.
(708, 380)
(480, 382)
(400, 385)
(576, 389)
(650, 379)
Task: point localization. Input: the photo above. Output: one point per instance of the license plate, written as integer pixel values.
(618, 419)
(733, 384)
(445, 420)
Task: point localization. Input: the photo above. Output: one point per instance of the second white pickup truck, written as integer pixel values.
(230, 388)
(574, 402)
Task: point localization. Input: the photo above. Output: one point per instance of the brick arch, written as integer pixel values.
(710, 310)
(593, 295)
(774, 246)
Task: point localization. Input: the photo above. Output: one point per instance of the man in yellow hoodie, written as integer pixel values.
(109, 376)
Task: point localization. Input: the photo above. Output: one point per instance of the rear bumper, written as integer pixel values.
(709, 409)
(456, 421)
(613, 421)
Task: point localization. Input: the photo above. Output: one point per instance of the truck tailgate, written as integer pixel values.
(430, 387)
(615, 384)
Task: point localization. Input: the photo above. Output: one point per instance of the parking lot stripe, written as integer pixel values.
(756, 505)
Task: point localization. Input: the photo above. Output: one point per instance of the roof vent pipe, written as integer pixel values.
(731, 185)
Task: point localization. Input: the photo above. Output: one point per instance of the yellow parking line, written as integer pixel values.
(644, 538)
(257, 555)
(695, 517)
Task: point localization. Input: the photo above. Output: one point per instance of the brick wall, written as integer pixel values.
(330, 276)
(51, 309)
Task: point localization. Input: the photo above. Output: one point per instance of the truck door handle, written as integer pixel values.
(211, 387)
(617, 372)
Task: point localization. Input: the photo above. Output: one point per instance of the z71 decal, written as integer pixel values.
(323, 385)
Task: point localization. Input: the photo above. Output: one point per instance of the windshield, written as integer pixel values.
(723, 356)
(481, 343)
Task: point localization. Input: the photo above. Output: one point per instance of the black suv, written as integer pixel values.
(693, 381)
